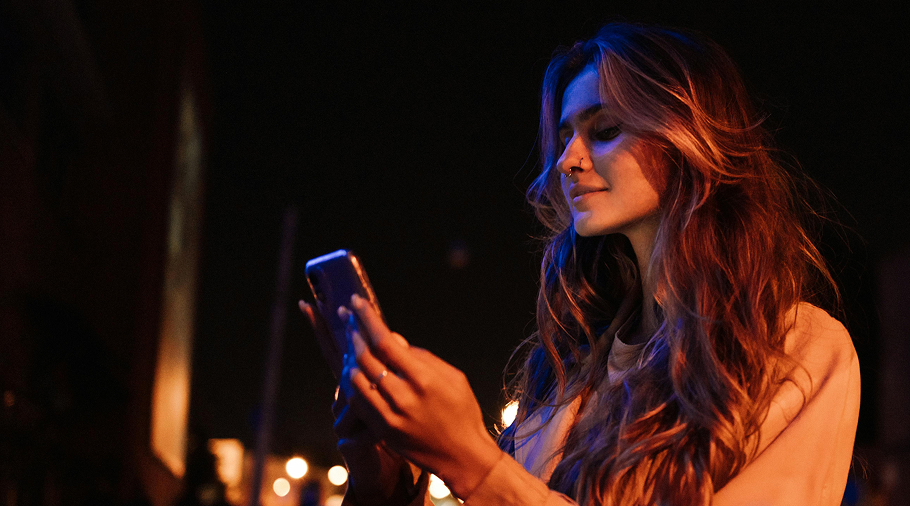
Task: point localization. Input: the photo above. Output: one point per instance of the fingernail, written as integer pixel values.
(356, 301)
(352, 371)
(302, 305)
(343, 313)
(359, 345)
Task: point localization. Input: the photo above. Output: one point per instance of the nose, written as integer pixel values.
(574, 158)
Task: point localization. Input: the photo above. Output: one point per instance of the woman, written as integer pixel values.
(678, 357)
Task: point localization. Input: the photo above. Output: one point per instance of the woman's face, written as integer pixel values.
(609, 179)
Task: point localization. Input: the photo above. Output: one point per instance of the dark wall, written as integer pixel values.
(87, 115)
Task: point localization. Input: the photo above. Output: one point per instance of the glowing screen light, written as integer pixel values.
(509, 412)
(281, 487)
(438, 489)
(338, 475)
(296, 468)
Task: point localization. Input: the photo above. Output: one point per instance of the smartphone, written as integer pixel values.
(333, 278)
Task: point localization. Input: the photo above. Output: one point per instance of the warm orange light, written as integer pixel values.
(296, 468)
(508, 413)
(438, 489)
(230, 460)
(281, 487)
(338, 475)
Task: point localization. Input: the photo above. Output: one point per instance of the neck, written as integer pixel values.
(643, 245)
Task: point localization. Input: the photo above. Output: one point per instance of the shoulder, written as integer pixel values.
(818, 342)
(822, 371)
(806, 439)
(813, 326)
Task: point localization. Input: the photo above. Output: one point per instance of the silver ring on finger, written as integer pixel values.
(381, 376)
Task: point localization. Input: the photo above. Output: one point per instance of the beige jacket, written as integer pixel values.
(805, 448)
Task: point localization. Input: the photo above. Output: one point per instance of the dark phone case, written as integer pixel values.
(333, 278)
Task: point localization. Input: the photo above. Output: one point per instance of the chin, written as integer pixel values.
(586, 230)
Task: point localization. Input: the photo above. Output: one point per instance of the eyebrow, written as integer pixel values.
(583, 116)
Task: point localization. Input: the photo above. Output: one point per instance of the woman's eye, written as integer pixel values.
(607, 134)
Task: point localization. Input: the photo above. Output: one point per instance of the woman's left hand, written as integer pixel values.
(421, 406)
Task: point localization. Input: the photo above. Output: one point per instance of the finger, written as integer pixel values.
(368, 363)
(366, 360)
(369, 405)
(356, 344)
(373, 325)
(393, 388)
(317, 322)
(389, 347)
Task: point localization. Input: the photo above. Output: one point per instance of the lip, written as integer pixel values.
(577, 191)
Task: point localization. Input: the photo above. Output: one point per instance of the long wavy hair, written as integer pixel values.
(733, 256)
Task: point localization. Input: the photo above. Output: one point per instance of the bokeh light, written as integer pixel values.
(229, 453)
(281, 487)
(296, 468)
(338, 475)
(438, 489)
(333, 500)
(509, 412)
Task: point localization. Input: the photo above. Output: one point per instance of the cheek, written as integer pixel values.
(655, 166)
(564, 183)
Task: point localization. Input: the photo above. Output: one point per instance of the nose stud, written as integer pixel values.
(569, 172)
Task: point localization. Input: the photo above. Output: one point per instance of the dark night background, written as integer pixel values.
(405, 133)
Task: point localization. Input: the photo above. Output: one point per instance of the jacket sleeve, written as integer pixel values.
(509, 484)
(806, 441)
(805, 445)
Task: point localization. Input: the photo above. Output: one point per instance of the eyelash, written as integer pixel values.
(603, 135)
(608, 134)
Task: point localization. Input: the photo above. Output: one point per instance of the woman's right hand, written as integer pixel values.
(376, 475)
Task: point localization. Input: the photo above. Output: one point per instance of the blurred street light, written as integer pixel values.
(509, 412)
(296, 468)
(281, 487)
(338, 475)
